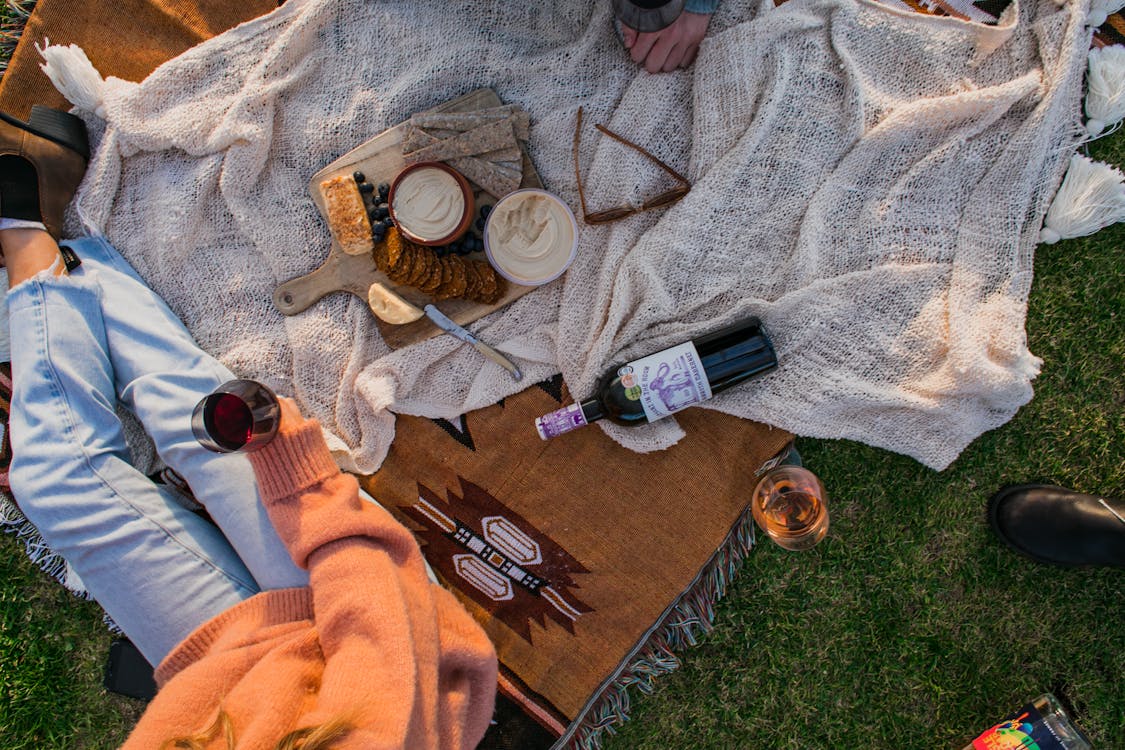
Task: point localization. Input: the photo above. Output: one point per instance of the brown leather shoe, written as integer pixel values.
(1059, 526)
(41, 163)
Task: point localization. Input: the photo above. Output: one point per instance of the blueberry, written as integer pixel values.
(378, 231)
(388, 222)
(381, 212)
(480, 224)
(359, 176)
(485, 210)
(366, 188)
(384, 190)
(464, 249)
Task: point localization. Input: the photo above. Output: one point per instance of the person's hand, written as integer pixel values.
(672, 47)
(291, 417)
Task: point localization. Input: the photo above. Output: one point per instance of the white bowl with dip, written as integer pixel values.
(431, 203)
(530, 237)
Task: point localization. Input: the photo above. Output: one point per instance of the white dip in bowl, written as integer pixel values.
(429, 205)
(530, 237)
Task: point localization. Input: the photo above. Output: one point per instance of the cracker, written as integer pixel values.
(459, 280)
(401, 271)
(422, 266)
(347, 216)
(489, 281)
(494, 135)
(472, 281)
(521, 124)
(501, 290)
(510, 154)
(395, 246)
(462, 121)
(430, 284)
(442, 291)
(389, 250)
(414, 137)
(484, 287)
(487, 176)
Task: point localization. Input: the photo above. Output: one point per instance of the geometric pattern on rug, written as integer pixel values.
(507, 566)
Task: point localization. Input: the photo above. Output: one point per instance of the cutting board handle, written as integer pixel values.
(297, 295)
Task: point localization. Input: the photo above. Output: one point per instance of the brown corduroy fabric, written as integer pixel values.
(125, 38)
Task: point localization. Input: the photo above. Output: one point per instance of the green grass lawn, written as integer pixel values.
(909, 627)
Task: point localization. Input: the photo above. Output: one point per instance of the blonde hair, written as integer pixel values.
(306, 738)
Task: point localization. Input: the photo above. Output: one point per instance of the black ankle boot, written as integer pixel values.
(1059, 526)
(42, 161)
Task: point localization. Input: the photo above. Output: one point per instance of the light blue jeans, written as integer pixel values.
(81, 344)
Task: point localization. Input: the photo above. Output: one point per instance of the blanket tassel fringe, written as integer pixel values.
(1105, 88)
(691, 618)
(13, 521)
(1092, 197)
(76, 78)
(1101, 10)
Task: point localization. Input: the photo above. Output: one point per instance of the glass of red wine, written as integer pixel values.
(240, 415)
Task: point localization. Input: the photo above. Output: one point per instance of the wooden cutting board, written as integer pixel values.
(380, 159)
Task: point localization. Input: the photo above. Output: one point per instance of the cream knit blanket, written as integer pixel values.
(869, 182)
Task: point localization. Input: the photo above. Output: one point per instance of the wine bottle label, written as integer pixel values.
(1023, 729)
(667, 381)
(557, 422)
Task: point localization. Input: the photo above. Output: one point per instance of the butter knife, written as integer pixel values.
(444, 323)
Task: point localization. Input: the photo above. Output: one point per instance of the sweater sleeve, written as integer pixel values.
(404, 661)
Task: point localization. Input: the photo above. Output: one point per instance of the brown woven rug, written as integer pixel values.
(589, 566)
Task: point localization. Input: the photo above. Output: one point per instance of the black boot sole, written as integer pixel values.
(55, 125)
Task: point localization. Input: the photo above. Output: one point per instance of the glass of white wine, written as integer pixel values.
(789, 504)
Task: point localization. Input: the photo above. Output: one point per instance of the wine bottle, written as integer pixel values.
(663, 383)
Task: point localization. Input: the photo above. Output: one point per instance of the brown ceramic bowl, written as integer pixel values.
(409, 225)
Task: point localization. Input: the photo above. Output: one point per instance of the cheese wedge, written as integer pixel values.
(389, 307)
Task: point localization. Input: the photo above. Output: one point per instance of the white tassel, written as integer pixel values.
(1100, 10)
(72, 581)
(1092, 197)
(1105, 88)
(74, 76)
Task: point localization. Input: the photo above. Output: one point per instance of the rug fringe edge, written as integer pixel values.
(691, 617)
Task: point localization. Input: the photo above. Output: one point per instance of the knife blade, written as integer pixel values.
(442, 321)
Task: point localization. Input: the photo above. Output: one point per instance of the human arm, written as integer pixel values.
(674, 46)
(402, 656)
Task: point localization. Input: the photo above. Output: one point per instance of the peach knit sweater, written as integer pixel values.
(371, 639)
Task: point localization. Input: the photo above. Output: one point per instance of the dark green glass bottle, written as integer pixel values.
(663, 383)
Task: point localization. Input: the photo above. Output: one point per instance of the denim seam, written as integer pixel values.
(69, 431)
